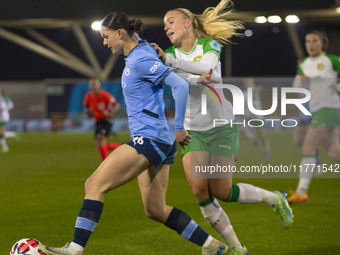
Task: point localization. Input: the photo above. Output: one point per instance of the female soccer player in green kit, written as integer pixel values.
(195, 56)
(320, 70)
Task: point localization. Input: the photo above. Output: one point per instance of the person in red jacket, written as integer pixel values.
(100, 104)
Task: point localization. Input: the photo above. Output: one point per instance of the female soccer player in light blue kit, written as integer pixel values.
(153, 143)
(194, 52)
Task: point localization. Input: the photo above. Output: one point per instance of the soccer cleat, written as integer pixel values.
(296, 198)
(66, 250)
(239, 251)
(282, 209)
(215, 247)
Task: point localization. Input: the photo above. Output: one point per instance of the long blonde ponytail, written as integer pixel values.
(213, 23)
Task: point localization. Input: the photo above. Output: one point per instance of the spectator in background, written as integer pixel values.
(101, 105)
(6, 105)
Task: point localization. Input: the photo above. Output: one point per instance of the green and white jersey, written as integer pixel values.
(204, 55)
(322, 72)
(6, 104)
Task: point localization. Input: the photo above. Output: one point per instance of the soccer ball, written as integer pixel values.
(25, 246)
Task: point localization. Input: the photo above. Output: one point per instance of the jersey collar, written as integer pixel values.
(193, 48)
(140, 44)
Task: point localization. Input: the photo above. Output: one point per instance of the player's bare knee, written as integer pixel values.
(88, 186)
(308, 150)
(91, 187)
(220, 188)
(221, 194)
(200, 192)
(154, 213)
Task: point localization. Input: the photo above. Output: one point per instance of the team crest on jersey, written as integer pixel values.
(101, 106)
(320, 66)
(123, 84)
(215, 45)
(197, 59)
(127, 71)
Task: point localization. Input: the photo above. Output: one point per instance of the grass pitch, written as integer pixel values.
(42, 189)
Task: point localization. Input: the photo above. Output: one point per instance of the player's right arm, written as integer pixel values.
(209, 59)
(191, 71)
(10, 104)
(88, 112)
(300, 79)
(115, 107)
(181, 91)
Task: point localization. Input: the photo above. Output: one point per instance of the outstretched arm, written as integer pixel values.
(181, 91)
(208, 60)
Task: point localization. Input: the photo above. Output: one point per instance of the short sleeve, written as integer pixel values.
(335, 61)
(152, 70)
(171, 50)
(212, 46)
(299, 70)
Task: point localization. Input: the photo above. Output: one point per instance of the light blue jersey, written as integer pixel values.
(143, 91)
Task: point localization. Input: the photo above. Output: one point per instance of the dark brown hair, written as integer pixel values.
(119, 20)
(323, 37)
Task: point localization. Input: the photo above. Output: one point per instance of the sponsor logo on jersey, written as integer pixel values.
(154, 67)
(101, 106)
(197, 59)
(215, 45)
(320, 66)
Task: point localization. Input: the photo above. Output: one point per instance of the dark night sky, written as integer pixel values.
(267, 53)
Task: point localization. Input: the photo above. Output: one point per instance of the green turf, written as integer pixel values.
(42, 188)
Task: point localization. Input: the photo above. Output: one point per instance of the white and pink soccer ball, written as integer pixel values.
(26, 246)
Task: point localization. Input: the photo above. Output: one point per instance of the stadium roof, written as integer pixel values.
(12, 10)
(19, 18)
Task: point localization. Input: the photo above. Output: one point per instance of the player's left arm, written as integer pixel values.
(112, 105)
(336, 67)
(115, 107)
(157, 73)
